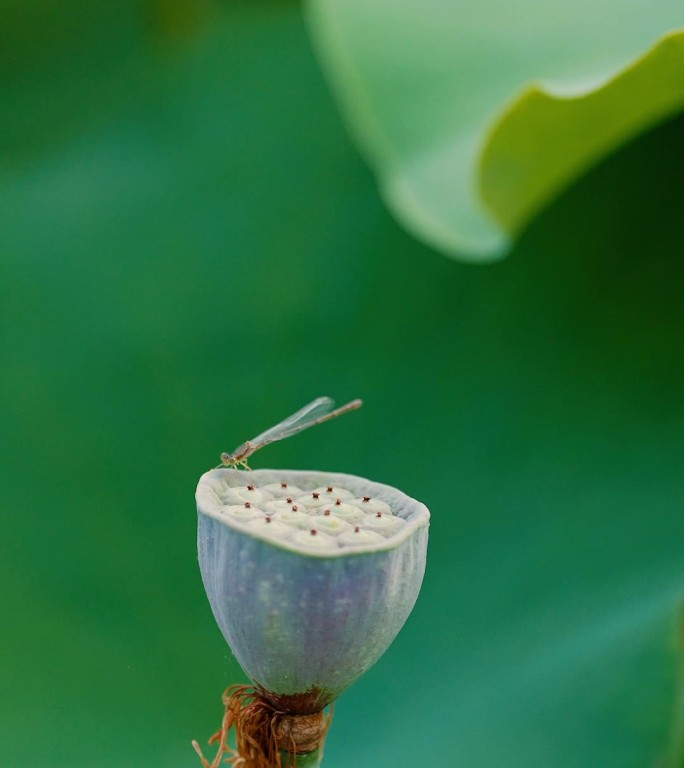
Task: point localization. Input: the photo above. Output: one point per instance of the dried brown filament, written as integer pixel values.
(262, 732)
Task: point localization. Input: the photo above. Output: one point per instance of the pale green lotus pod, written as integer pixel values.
(307, 609)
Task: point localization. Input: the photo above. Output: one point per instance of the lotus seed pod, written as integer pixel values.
(305, 611)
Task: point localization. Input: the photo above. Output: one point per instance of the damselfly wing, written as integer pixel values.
(316, 412)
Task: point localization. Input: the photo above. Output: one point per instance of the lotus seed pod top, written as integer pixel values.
(306, 598)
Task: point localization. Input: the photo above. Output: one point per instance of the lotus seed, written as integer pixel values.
(311, 502)
(333, 525)
(278, 506)
(240, 494)
(282, 489)
(271, 528)
(314, 539)
(368, 504)
(240, 513)
(359, 536)
(294, 518)
(278, 514)
(348, 512)
(382, 523)
(333, 492)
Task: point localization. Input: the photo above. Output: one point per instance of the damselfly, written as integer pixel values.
(316, 412)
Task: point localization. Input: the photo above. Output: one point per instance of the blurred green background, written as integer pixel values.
(191, 249)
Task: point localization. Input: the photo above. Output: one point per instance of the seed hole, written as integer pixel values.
(248, 505)
(327, 512)
(315, 495)
(313, 531)
(366, 498)
(283, 485)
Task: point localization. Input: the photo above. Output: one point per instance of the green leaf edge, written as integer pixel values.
(508, 192)
(532, 151)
